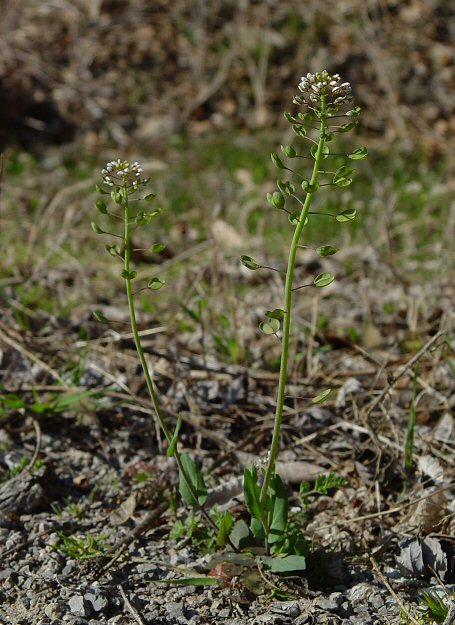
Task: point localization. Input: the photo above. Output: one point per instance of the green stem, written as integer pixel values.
(148, 378)
(288, 307)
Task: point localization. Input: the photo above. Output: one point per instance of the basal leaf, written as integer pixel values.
(287, 564)
(224, 529)
(196, 481)
(280, 509)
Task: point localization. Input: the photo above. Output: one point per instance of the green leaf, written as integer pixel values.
(276, 313)
(96, 229)
(343, 176)
(280, 510)
(155, 284)
(196, 481)
(289, 151)
(149, 197)
(322, 397)
(343, 182)
(306, 117)
(64, 402)
(299, 130)
(310, 188)
(276, 160)
(326, 250)
(346, 215)
(285, 187)
(271, 326)
(278, 199)
(294, 219)
(239, 533)
(325, 151)
(113, 249)
(347, 127)
(324, 483)
(116, 196)
(101, 190)
(287, 564)
(174, 440)
(100, 317)
(128, 275)
(249, 263)
(323, 279)
(157, 247)
(290, 117)
(359, 153)
(101, 207)
(143, 219)
(252, 492)
(257, 529)
(224, 529)
(355, 112)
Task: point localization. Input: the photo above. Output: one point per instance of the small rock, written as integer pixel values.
(8, 574)
(224, 613)
(79, 606)
(360, 593)
(69, 567)
(176, 612)
(97, 601)
(289, 608)
(326, 603)
(55, 610)
(377, 601)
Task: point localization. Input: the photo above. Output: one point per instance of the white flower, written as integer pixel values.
(315, 86)
(116, 173)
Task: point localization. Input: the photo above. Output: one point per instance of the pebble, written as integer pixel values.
(97, 601)
(176, 612)
(79, 606)
(360, 593)
(55, 610)
(376, 601)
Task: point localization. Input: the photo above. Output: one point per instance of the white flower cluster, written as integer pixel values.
(317, 85)
(115, 172)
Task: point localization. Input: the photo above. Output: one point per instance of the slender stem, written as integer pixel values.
(148, 378)
(134, 328)
(288, 307)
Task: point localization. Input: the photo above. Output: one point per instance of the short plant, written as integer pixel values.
(81, 547)
(434, 608)
(126, 180)
(324, 114)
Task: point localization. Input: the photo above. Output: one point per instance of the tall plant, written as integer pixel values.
(325, 112)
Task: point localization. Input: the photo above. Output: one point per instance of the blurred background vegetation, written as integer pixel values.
(196, 91)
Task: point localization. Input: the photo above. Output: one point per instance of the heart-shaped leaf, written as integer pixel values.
(323, 279)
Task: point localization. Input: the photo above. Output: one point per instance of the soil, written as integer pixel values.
(103, 483)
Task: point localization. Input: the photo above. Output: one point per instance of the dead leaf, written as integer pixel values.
(124, 512)
(293, 472)
(431, 467)
(430, 512)
(421, 557)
